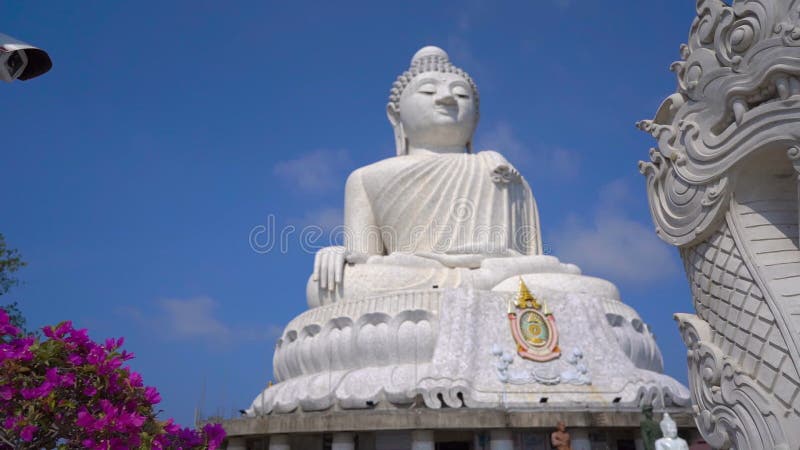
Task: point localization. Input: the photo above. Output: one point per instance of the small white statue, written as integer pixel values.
(670, 441)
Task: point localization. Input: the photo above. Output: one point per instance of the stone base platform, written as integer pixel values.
(444, 369)
(441, 419)
(462, 428)
(454, 348)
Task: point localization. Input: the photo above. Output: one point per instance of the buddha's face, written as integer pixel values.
(438, 110)
(670, 429)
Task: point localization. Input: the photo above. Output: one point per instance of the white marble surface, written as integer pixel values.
(439, 344)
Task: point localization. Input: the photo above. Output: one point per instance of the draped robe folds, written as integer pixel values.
(453, 204)
(437, 221)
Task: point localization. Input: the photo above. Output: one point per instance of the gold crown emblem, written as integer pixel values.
(526, 300)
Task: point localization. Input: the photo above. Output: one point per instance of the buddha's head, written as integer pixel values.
(433, 105)
(668, 427)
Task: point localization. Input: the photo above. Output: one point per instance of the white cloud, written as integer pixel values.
(194, 318)
(555, 162)
(316, 171)
(613, 245)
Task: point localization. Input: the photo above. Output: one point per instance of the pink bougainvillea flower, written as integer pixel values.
(152, 395)
(10, 422)
(5, 325)
(90, 391)
(6, 392)
(83, 396)
(40, 391)
(27, 432)
(215, 434)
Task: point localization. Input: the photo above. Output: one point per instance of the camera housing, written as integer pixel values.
(20, 60)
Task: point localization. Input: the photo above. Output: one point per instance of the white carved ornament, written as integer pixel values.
(738, 99)
(738, 86)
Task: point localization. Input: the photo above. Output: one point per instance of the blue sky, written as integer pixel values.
(134, 172)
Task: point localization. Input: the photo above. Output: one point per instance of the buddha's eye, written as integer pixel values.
(427, 89)
(460, 92)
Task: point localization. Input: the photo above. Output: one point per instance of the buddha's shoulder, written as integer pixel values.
(381, 169)
(493, 156)
(394, 162)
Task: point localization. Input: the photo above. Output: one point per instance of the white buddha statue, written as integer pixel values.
(436, 215)
(670, 441)
(440, 247)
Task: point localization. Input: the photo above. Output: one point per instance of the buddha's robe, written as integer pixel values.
(439, 206)
(437, 221)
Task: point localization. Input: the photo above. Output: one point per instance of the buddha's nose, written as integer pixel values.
(446, 99)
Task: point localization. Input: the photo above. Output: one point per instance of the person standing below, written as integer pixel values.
(649, 429)
(560, 438)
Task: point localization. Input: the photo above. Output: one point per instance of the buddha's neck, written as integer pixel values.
(419, 151)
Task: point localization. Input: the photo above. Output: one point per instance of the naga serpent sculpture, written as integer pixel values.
(723, 187)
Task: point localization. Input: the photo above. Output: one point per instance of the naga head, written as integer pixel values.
(738, 93)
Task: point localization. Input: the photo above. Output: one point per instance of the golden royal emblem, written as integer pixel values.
(533, 327)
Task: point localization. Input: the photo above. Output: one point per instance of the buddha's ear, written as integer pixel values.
(393, 114)
(400, 143)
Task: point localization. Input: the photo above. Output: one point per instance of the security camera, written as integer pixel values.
(21, 60)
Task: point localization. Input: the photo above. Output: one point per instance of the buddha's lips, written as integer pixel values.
(447, 111)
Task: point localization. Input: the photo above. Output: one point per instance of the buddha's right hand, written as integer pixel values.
(329, 267)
